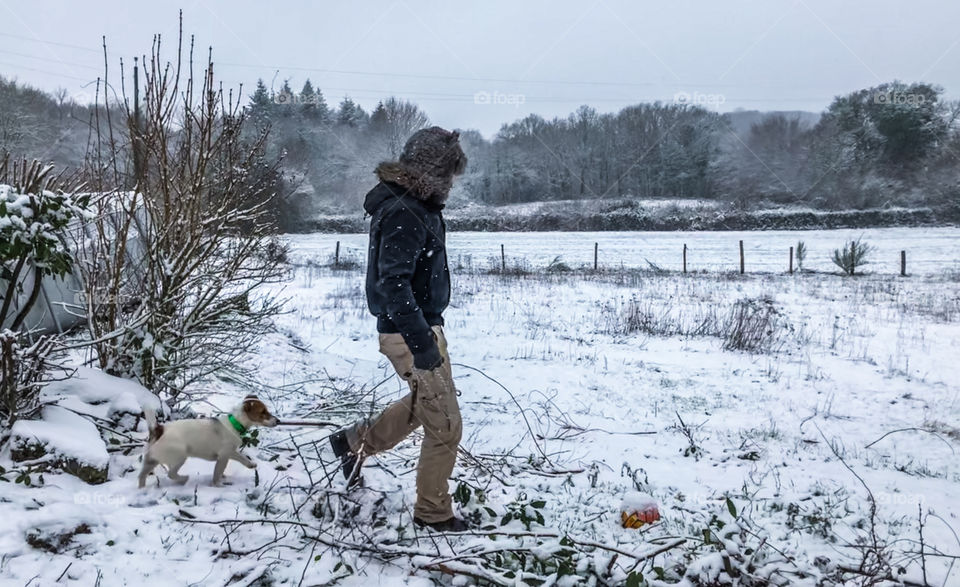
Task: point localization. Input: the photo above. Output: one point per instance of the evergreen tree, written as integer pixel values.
(307, 100)
(285, 99)
(351, 114)
(323, 111)
(260, 104)
(379, 120)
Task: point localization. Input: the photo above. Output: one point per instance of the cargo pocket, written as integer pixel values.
(431, 407)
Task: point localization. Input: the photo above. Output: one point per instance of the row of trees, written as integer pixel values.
(644, 150)
(648, 149)
(894, 143)
(329, 152)
(49, 127)
(890, 144)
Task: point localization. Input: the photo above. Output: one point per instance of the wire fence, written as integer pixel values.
(896, 254)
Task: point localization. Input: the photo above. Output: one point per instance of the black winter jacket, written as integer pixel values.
(408, 281)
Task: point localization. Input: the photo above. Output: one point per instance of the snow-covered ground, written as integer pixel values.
(558, 375)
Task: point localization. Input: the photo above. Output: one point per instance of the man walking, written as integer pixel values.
(408, 288)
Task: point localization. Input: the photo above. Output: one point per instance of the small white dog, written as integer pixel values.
(211, 439)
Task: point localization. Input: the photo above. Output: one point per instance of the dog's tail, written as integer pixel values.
(155, 429)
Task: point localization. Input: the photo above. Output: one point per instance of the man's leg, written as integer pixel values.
(397, 421)
(437, 409)
(434, 400)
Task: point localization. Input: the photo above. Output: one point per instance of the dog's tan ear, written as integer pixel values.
(254, 408)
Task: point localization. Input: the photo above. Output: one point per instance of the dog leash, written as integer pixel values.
(316, 423)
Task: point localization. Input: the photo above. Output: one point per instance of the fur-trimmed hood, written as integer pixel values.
(428, 188)
(427, 165)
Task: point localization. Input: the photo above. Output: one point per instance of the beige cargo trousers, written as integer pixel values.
(431, 403)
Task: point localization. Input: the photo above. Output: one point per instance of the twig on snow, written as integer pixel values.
(914, 429)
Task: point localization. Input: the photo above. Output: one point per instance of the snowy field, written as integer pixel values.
(929, 251)
(577, 389)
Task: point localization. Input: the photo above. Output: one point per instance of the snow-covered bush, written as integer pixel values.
(62, 440)
(34, 215)
(35, 212)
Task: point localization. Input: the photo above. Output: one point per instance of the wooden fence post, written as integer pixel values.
(791, 260)
(684, 257)
(503, 259)
(336, 256)
(903, 263)
(742, 264)
(596, 249)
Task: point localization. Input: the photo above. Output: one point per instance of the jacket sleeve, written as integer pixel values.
(403, 238)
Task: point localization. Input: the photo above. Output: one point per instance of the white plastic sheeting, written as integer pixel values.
(62, 302)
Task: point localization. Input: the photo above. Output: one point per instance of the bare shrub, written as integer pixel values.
(36, 207)
(183, 237)
(852, 256)
(646, 317)
(519, 267)
(346, 261)
(25, 368)
(756, 326)
(558, 265)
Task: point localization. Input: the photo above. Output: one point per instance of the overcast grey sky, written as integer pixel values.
(481, 64)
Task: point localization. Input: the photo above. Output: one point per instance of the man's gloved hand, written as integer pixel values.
(429, 359)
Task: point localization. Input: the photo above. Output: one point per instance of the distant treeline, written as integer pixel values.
(631, 216)
(38, 125)
(893, 145)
